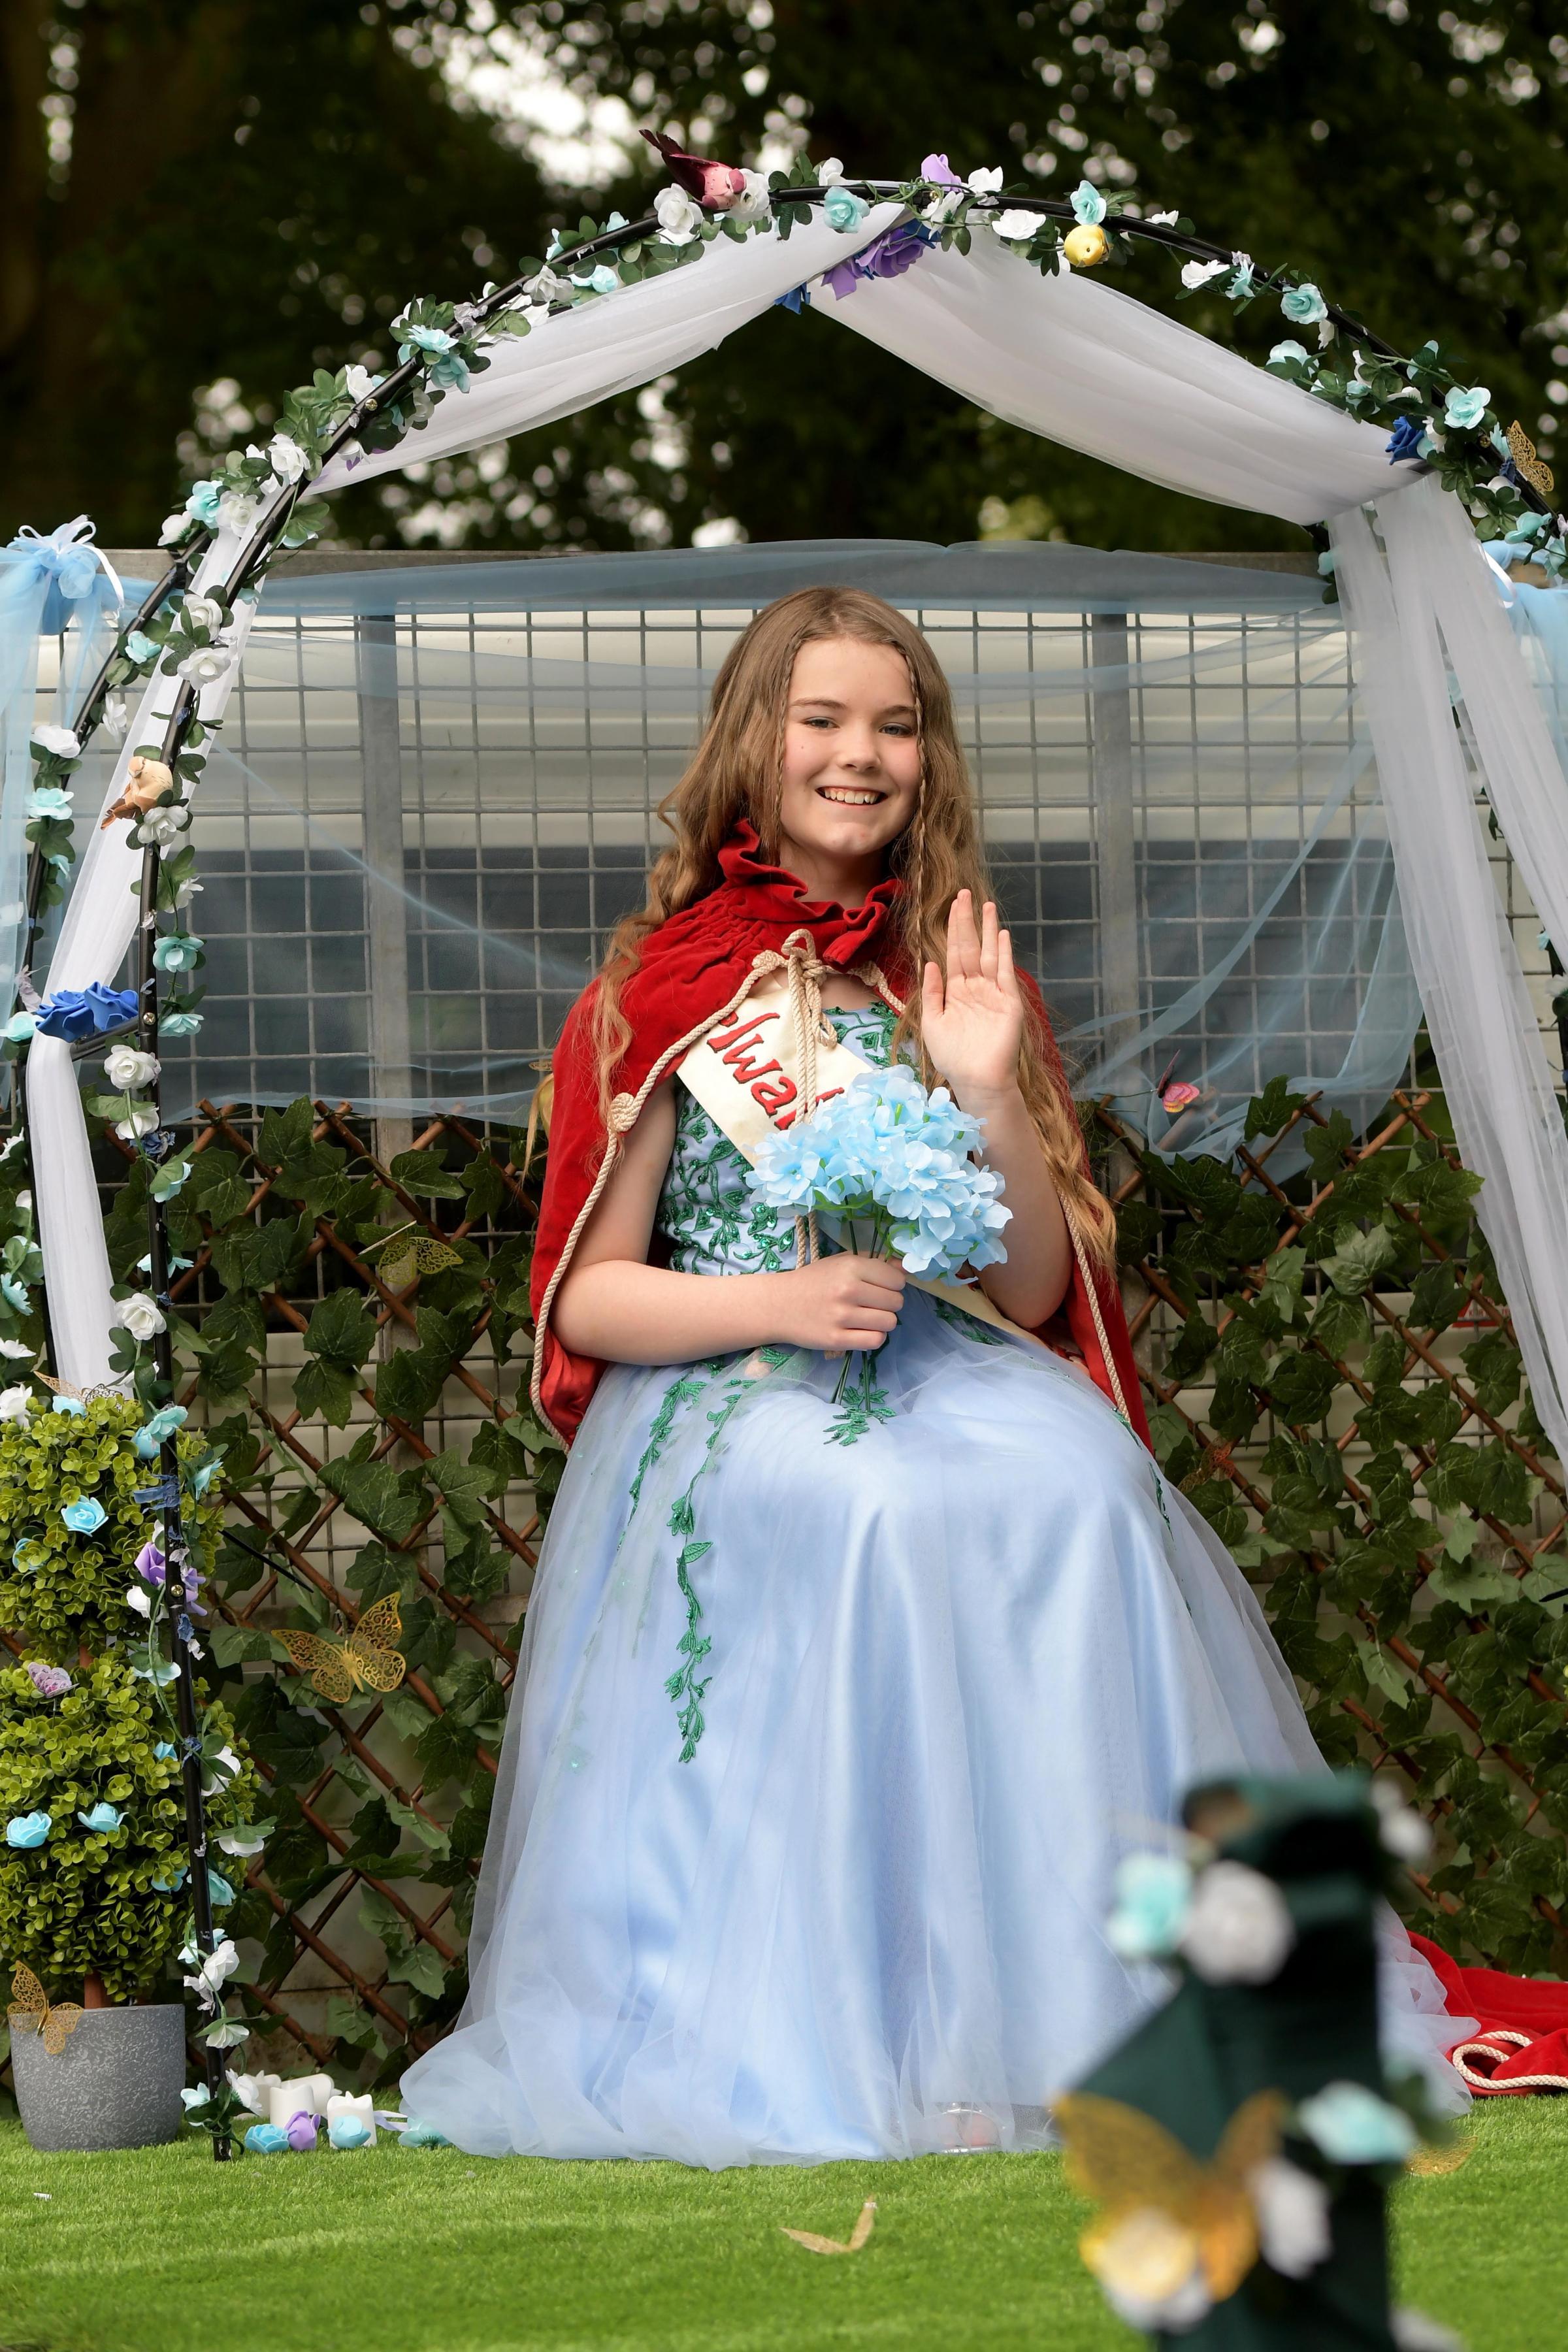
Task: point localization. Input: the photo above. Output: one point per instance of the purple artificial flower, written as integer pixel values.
(887, 256)
(151, 1563)
(303, 2131)
(1405, 439)
(938, 168)
(50, 1682)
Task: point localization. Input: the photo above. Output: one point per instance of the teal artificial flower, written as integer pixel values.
(179, 1024)
(265, 2140)
(219, 1892)
(153, 1434)
(201, 1478)
(1462, 408)
(1298, 351)
(20, 1027)
(140, 648)
(171, 1882)
(842, 209)
(14, 1293)
(202, 500)
(102, 1819)
(48, 799)
(452, 370)
(73, 1406)
(424, 339)
(1153, 1895)
(177, 951)
(28, 1829)
(26, 1544)
(85, 1516)
(1350, 2124)
(601, 277)
(348, 2131)
(1303, 305)
(164, 1750)
(1087, 205)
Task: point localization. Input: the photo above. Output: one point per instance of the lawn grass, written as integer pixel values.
(431, 2250)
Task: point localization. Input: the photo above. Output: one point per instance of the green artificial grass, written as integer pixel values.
(430, 2251)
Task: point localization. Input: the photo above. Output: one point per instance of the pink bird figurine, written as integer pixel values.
(718, 186)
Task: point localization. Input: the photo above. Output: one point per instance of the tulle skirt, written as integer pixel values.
(832, 1732)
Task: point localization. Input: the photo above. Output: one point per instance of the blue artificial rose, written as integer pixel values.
(348, 2131)
(1296, 351)
(417, 2134)
(177, 951)
(152, 1433)
(48, 799)
(179, 1024)
(1462, 408)
(842, 209)
(452, 370)
(140, 648)
(101, 1819)
(265, 2140)
(76, 1012)
(73, 1406)
(603, 279)
(1405, 439)
(1350, 2124)
(85, 1516)
(28, 1829)
(19, 1028)
(1303, 305)
(424, 339)
(1153, 1895)
(202, 500)
(1087, 205)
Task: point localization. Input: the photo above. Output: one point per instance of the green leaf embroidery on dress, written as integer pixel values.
(694, 1645)
(862, 1400)
(970, 1325)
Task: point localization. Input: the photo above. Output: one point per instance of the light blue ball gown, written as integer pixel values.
(829, 1743)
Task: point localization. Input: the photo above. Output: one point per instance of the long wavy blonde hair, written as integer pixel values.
(737, 770)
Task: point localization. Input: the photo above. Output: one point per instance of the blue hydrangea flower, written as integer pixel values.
(842, 209)
(885, 1151)
(102, 1819)
(1087, 205)
(1463, 408)
(1303, 305)
(1350, 2124)
(85, 1516)
(25, 1830)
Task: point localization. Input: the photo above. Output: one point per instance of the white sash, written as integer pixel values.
(746, 1076)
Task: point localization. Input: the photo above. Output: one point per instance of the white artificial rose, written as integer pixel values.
(207, 665)
(755, 203)
(214, 1973)
(126, 1066)
(114, 719)
(1292, 2208)
(1239, 1929)
(1017, 226)
(827, 173)
(202, 612)
(237, 509)
(18, 1348)
(15, 1403)
(286, 457)
(985, 182)
(140, 1600)
(679, 218)
(941, 209)
(1198, 273)
(139, 1315)
(359, 383)
(186, 891)
(164, 826)
(1401, 1831)
(546, 286)
(1164, 220)
(58, 739)
(139, 1123)
(173, 526)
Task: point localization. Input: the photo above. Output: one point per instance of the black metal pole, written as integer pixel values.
(176, 1606)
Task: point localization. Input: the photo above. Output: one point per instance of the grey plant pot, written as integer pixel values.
(116, 2083)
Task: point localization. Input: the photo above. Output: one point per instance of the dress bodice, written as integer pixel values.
(707, 1217)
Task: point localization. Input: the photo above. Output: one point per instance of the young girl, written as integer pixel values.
(832, 1729)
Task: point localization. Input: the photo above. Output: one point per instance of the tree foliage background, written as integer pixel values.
(202, 199)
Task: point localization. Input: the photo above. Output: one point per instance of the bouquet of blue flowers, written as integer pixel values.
(888, 1156)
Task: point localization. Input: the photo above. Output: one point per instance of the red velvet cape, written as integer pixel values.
(691, 968)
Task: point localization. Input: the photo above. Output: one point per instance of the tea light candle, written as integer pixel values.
(307, 2095)
(357, 2107)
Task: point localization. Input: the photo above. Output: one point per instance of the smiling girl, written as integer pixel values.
(807, 1817)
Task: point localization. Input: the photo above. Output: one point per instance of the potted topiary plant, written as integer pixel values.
(93, 1876)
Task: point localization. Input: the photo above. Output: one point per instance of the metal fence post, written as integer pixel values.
(386, 907)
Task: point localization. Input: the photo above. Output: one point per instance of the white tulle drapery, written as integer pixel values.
(1073, 360)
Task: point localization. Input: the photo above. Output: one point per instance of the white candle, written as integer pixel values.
(307, 2095)
(361, 2105)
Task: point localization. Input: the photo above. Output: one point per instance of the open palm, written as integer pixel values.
(973, 1024)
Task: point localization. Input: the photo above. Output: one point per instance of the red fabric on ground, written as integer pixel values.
(1520, 2046)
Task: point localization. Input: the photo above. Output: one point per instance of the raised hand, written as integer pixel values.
(973, 1025)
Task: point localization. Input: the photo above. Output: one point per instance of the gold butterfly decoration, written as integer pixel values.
(82, 1396)
(1195, 2213)
(31, 2008)
(857, 2239)
(421, 1255)
(1528, 462)
(367, 1659)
